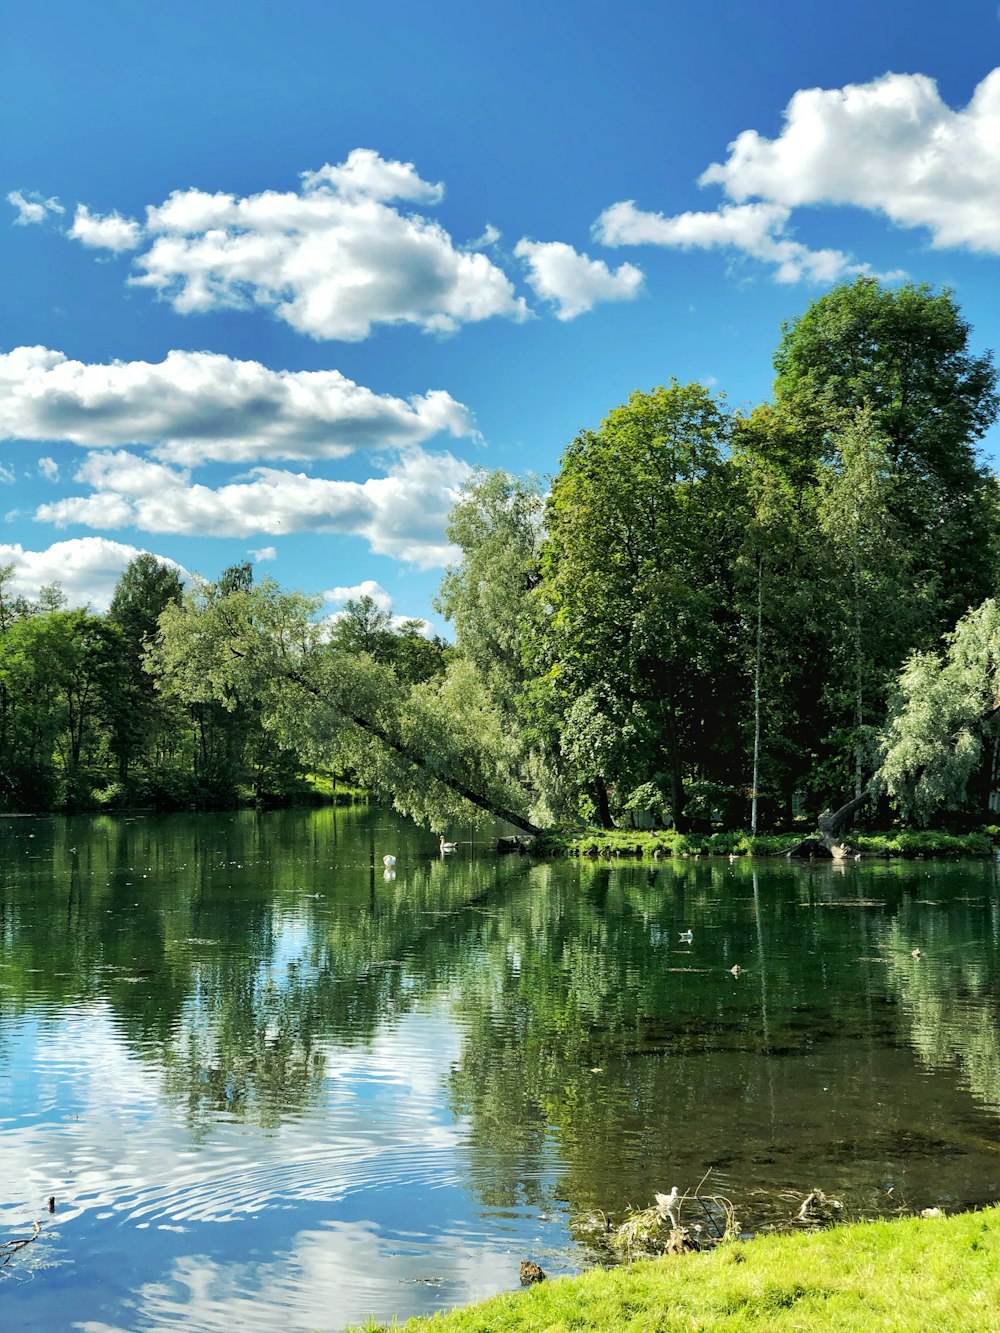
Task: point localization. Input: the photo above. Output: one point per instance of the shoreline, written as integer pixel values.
(908, 1273)
(637, 844)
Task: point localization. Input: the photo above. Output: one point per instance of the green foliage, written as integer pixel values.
(632, 591)
(903, 355)
(944, 711)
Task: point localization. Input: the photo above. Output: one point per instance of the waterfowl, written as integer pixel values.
(667, 1203)
(736, 969)
(388, 861)
(916, 954)
(448, 846)
(687, 937)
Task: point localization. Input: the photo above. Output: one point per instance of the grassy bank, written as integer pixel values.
(638, 843)
(909, 1274)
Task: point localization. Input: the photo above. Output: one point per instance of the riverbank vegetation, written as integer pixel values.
(653, 846)
(907, 1274)
(707, 620)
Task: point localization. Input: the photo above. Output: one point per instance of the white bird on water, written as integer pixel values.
(667, 1203)
(687, 937)
(388, 861)
(448, 846)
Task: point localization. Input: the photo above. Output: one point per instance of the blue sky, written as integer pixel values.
(277, 276)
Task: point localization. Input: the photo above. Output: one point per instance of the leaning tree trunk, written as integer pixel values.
(826, 843)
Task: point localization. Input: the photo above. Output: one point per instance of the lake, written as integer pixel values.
(271, 1084)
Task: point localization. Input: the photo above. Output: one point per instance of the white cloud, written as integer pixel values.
(265, 553)
(890, 146)
(332, 259)
(32, 207)
(382, 599)
(108, 231)
(49, 469)
(756, 229)
(6, 476)
(402, 514)
(573, 282)
(489, 237)
(366, 175)
(200, 406)
(87, 568)
(367, 588)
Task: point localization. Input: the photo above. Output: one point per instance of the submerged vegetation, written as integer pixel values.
(707, 620)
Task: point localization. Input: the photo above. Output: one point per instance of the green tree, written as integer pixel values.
(634, 568)
(775, 592)
(263, 650)
(876, 610)
(488, 595)
(941, 749)
(903, 354)
(146, 587)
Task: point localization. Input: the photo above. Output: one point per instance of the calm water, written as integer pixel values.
(271, 1086)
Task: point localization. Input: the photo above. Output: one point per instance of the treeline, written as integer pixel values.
(707, 616)
(88, 720)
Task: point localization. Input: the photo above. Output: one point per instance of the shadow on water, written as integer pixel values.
(281, 1079)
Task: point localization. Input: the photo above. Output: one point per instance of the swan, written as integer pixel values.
(736, 969)
(448, 846)
(388, 861)
(687, 937)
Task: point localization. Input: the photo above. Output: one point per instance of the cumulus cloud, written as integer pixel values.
(49, 469)
(32, 207)
(756, 229)
(199, 406)
(332, 259)
(382, 599)
(366, 175)
(86, 568)
(891, 146)
(265, 553)
(6, 476)
(367, 588)
(108, 231)
(573, 282)
(402, 514)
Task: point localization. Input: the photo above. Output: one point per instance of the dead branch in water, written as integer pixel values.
(10, 1247)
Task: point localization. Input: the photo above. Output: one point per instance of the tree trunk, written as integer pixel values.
(756, 696)
(826, 843)
(603, 809)
(453, 784)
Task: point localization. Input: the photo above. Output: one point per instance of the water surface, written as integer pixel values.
(271, 1085)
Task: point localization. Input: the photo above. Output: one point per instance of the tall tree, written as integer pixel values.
(633, 573)
(145, 589)
(903, 353)
(880, 610)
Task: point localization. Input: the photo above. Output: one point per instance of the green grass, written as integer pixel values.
(335, 789)
(639, 843)
(935, 1275)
